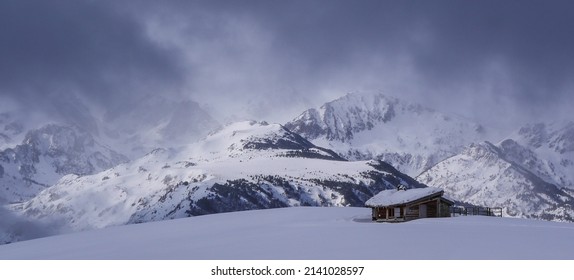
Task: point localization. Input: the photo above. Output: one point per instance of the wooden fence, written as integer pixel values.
(475, 211)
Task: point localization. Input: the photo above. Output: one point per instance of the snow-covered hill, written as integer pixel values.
(484, 174)
(303, 233)
(246, 165)
(374, 126)
(45, 155)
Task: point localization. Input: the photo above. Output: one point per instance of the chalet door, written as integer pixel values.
(422, 211)
(397, 212)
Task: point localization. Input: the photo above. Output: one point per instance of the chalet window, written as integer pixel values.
(397, 212)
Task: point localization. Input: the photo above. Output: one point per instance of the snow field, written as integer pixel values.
(316, 233)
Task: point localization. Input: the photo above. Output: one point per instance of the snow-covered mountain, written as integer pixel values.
(246, 165)
(494, 176)
(374, 126)
(255, 165)
(547, 150)
(45, 155)
(11, 130)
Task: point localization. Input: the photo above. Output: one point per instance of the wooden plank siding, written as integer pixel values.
(412, 212)
(444, 209)
(431, 209)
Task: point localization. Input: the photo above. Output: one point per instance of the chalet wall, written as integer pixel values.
(435, 208)
(431, 209)
(412, 212)
(444, 209)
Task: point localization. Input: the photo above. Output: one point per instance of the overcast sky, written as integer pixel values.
(506, 60)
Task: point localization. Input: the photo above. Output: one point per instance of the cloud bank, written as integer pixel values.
(508, 61)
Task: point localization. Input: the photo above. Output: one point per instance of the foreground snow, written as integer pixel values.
(309, 233)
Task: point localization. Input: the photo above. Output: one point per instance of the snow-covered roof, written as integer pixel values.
(395, 197)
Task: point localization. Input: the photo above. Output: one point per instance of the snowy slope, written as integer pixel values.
(309, 233)
(484, 175)
(246, 165)
(374, 126)
(547, 150)
(45, 155)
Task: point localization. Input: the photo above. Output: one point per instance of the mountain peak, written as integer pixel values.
(341, 118)
(546, 149)
(486, 175)
(376, 126)
(240, 138)
(46, 154)
(244, 165)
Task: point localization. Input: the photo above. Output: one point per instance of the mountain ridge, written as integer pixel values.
(374, 126)
(243, 166)
(46, 154)
(482, 175)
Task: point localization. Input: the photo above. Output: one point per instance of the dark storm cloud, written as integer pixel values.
(54, 50)
(450, 42)
(510, 57)
(530, 38)
(492, 53)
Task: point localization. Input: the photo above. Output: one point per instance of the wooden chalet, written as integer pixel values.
(399, 205)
